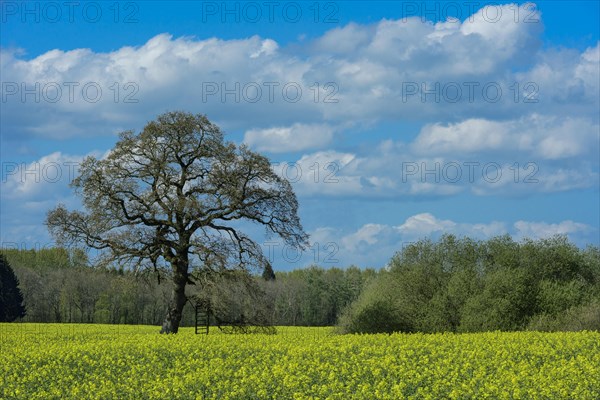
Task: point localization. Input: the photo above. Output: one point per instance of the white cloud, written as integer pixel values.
(503, 25)
(48, 177)
(421, 188)
(298, 137)
(344, 40)
(82, 93)
(494, 228)
(538, 230)
(366, 234)
(424, 224)
(369, 66)
(467, 136)
(534, 154)
(29, 191)
(587, 68)
(268, 47)
(322, 173)
(545, 136)
(565, 81)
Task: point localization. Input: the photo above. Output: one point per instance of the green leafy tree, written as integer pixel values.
(11, 299)
(503, 304)
(463, 285)
(378, 309)
(171, 198)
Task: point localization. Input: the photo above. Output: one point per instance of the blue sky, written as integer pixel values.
(394, 120)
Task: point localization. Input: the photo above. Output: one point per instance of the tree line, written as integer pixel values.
(60, 285)
(450, 285)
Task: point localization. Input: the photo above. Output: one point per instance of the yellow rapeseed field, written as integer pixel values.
(59, 361)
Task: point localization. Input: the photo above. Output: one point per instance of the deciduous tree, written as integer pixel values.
(171, 197)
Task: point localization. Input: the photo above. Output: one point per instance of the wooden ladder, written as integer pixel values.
(202, 319)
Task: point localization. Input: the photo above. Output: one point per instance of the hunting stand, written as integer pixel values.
(202, 309)
(204, 312)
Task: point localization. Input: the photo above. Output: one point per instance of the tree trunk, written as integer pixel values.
(178, 300)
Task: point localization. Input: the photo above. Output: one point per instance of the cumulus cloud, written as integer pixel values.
(344, 40)
(367, 234)
(468, 136)
(424, 224)
(322, 173)
(352, 74)
(538, 230)
(47, 177)
(566, 79)
(298, 137)
(132, 84)
(542, 136)
(534, 154)
(29, 190)
(270, 93)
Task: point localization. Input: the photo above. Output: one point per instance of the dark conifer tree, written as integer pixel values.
(11, 298)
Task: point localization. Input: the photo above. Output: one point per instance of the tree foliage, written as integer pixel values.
(463, 285)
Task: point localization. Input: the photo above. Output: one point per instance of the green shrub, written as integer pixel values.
(584, 317)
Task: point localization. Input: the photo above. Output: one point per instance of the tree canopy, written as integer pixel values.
(466, 285)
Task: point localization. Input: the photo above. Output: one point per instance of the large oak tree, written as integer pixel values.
(171, 198)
